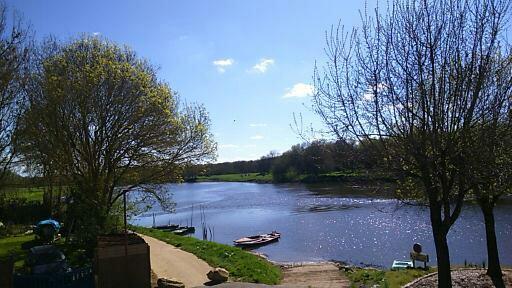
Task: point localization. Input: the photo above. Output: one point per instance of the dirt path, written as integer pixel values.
(321, 275)
(168, 261)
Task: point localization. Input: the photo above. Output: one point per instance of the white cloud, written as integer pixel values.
(250, 146)
(228, 146)
(257, 137)
(95, 34)
(369, 95)
(299, 90)
(222, 64)
(263, 65)
(258, 125)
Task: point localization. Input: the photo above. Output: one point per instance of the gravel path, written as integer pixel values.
(168, 261)
(462, 278)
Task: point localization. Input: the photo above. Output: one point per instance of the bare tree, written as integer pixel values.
(14, 56)
(99, 119)
(490, 168)
(413, 78)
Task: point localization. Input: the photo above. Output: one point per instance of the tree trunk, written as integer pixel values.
(444, 275)
(493, 259)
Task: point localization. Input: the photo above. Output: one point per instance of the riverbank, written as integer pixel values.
(242, 266)
(248, 267)
(333, 177)
(241, 177)
(180, 257)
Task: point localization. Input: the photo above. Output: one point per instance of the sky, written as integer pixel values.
(250, 63)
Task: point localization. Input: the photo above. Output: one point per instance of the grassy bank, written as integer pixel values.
(378, 278)
(242, 266)
(338, 176)
(242, 177)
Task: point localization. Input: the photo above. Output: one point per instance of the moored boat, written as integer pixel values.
(183, 230)
(257, 240)
(170, 227)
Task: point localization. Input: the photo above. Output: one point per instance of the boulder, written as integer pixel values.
(218, 275)
(169, 283)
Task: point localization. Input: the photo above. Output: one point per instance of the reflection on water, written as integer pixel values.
(328, 222)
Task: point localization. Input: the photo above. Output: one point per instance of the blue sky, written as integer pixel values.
(249, 62)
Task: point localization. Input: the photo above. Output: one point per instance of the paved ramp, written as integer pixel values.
(168, 261)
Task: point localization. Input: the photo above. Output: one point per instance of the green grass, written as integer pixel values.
(12, 247)
(17, 246)
(243, 177)
(31, 193)
(379, 278)
(242, 266)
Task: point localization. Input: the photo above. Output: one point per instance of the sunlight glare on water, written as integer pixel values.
(333, 223)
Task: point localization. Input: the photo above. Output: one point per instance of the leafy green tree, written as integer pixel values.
(99, 118)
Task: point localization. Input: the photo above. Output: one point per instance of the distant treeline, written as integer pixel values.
(314, 158)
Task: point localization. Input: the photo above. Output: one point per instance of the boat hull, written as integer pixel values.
(257, 240)
(184, 230)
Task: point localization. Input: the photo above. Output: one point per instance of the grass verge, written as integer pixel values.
(360, 277)
(242, 266)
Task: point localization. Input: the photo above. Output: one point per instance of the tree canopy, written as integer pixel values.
(14, 61)
(100, 120)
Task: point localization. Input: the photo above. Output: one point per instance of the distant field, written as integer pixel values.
(245, 177)
(31, 194)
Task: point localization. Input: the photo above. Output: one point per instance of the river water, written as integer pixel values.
(327, 222)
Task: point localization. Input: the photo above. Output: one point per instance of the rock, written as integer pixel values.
(169, 283)
(218, 275)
